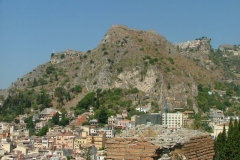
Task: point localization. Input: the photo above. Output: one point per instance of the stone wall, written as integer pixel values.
(199, 148)
(131, 149)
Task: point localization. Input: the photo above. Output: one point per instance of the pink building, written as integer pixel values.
(123, 123)
(65, 140)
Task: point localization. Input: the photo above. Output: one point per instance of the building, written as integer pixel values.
(80, 141)
(99, 140)
(123, 123)
(93, 122)
(124, 113)
(188, 119)
(216, 115)
(65, 140)
(144, 109)
(37, 143)
(172, 120)
(62, 153)
(39, 125)
(80, 120)
(219, 128)
(152, 118)
(112, 120)
(226, 47)
(48, 113)
(110, 133)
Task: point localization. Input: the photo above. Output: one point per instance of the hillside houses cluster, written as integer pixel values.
(59, 142)
(74, 140)
(78, 140)
(230, 48)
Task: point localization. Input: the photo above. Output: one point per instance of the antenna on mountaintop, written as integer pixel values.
(53, 51)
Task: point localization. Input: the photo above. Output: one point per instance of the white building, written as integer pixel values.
(144, 109)
(110, 133)
(172, 120)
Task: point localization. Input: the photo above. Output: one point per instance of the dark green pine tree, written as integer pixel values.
(220, 146)
(55, 118)
(217, 145)
(235, 142)
(230, 140)
(102, 117)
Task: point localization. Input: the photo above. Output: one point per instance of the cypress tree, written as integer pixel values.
(230, 140)
(236, 140)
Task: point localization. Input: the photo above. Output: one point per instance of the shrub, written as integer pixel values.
(151, 61)
(171, 60)
(78, 88)
(50, 69)
(168, 86)
(62, 56)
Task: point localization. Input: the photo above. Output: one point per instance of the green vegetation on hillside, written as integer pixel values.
(18, 102)
(107, 102)
(226, 60)
(208, 97)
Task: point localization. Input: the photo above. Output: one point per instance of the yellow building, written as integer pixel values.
(7, 147)
(79, 141)
(99, 140)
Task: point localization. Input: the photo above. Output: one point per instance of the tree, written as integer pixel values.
(77, 89)
(64, 121)
(44, 99)
(35, 83)
(55, 118)
(86, 101)
(97, 99)
(50, 69)
(60, 92)
(62, 56)
(42, 81)
(43, 131)
(220, 145)
(226, 144)
(102, 115)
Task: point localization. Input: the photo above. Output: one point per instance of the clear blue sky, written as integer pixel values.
(31, 30)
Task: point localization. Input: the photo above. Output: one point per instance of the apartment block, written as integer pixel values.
(172, 120)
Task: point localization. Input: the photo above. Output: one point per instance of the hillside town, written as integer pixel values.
(93, 141)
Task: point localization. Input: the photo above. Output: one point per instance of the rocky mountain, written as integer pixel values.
(128, 58)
